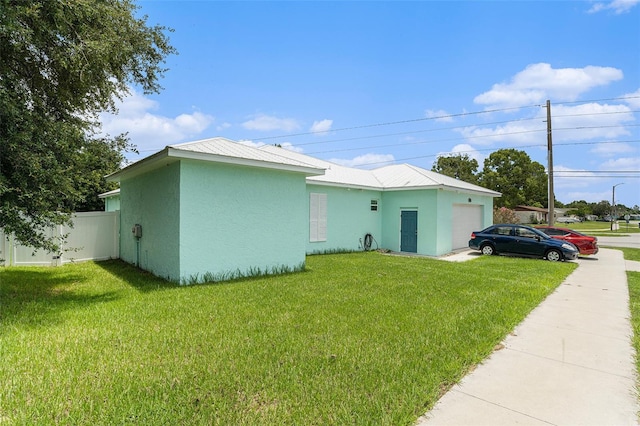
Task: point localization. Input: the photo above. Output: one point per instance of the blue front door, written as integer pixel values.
(409, 231)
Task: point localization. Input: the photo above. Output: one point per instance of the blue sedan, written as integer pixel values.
(521, 240)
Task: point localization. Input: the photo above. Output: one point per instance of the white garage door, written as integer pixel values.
(466, 219)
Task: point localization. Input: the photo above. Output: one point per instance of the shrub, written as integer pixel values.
(505, 215)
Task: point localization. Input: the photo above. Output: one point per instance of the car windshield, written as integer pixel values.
(535, 232)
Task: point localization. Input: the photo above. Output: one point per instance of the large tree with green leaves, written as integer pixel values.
(520, 180)
(459, 166)
(63, 62)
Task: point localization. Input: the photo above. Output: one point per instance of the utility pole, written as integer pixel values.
(614, 211)
(550, 197)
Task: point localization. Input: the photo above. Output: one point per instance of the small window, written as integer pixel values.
(374, 205)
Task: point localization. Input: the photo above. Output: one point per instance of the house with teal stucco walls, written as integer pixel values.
(216, 209)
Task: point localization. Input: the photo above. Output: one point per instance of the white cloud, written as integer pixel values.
(368, 160)
(515, 133)
(464, 149)
(589, 197)
(617, 6)
(322, 126)
(251, 143)
(633, 99)
(538, 82)
(439, 115)
(265, 123)
(612, 148)
(285, 145)
(569, 123)
(590, 121)
(290, 147)
(150, 131)
(622, 164)
(567, 177)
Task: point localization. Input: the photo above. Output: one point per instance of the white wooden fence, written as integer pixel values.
(94, 236)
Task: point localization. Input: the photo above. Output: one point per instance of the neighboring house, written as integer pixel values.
(529, 214)
(221, 208)
(111, 200)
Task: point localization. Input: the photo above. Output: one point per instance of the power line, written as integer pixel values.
(621, 98)
(449, 116)
(487, 149)
(426, 141)
(600, 176)
(414, 120)
(598, 171)
(412, 132)
(595, 113)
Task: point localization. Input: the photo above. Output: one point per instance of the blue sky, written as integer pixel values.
(366, 84)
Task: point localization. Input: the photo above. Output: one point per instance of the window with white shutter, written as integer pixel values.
(317, 217)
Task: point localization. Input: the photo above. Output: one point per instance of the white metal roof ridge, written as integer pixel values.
(220, 150)
(335, 174)
(391, 177)
(319, 172)
(228, 148)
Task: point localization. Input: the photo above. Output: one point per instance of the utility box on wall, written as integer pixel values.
(137, 230)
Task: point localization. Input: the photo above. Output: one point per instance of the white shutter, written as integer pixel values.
(317, 217)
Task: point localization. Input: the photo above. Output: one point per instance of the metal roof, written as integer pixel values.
(394, 177)
(216, 150)
(319, 172)
(109, 193)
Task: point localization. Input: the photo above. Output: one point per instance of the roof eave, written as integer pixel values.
(147, 164)
(343, 185)
(170, 155)
(215, 158)
(486, 192)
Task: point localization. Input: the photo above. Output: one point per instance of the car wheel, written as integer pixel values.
(488, 250)
(554, 255)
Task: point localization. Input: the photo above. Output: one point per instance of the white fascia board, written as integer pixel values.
(109, 194)
(343, 185)
(404, 188)
(191, 155)
(147, 164)
(487, 192)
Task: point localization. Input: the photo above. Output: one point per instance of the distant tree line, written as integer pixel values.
(520, 180)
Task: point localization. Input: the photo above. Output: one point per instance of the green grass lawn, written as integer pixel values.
(633, 279)
(602, 228)
(360, 338)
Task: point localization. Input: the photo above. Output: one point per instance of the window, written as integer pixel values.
(317, 217)
(523, 232)
(374, 205)
(501, 230)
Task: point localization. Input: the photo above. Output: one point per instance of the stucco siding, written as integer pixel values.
(425, 203)
(112, 204)
(152, 200)
(446, 201)
(239, 219)
(349, 218)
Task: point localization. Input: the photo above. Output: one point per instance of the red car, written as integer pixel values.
(585, 243)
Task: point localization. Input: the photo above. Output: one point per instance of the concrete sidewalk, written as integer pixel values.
(570, 362)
